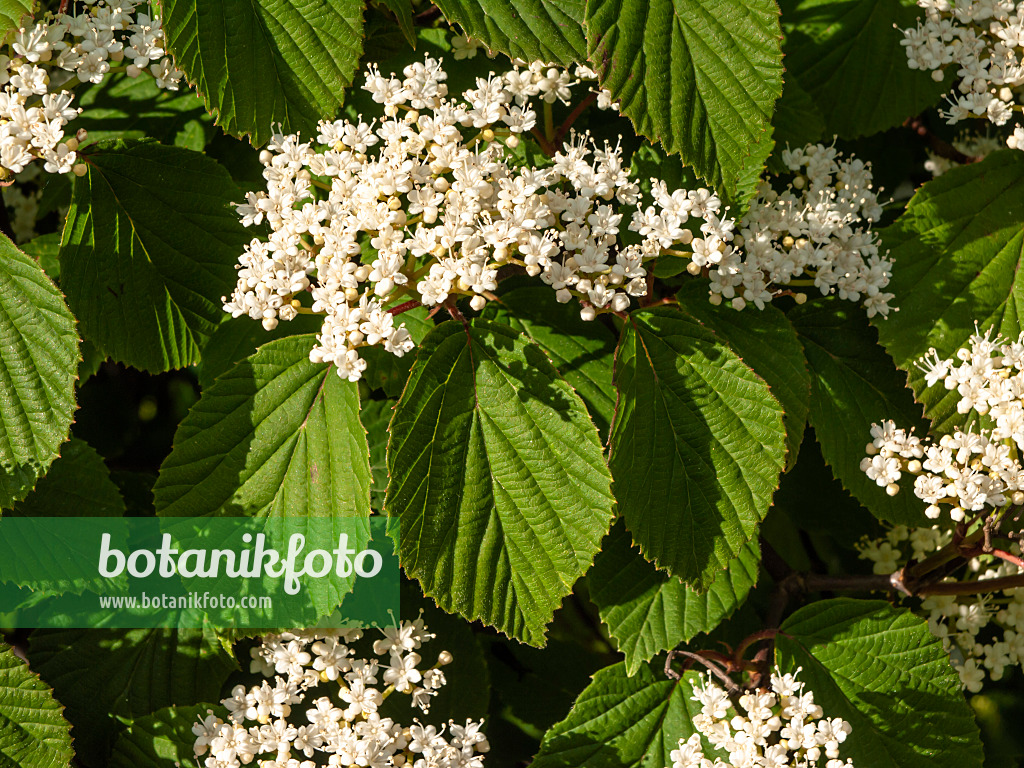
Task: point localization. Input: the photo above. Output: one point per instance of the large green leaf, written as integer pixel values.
(38, 360)
(622, 722)
(149, 250)
(581, 351)
(549, 30)
(161, 739)
(497, 478)
(766, 341)
(258, 63)
(700, 77)
(855, 384)
(11, 13)
(956, 254)
(696, 448)
(797, 122)
(880, 669)
(33, 731)
(101, 674)
(237, 338)
(647, 611)
(276, 435)
(848, 55)
(78, 484)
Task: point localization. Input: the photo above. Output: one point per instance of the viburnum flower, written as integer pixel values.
(816, 231)
(763, 729)
(323, 706)
(427, 202)
(57, 50)
(965, 471)
(984, 41)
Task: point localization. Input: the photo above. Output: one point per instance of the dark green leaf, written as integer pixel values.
(767, 342)
(853, 385)
(847, 55)
(38, 358)
(101, 674)
(549, 30)
(497, 477)
(77, 485)
(696, 448)
(256, 64)
(881, 670)
(276, 435)
(149, 250)
(700, 77)
(161, 740)
(956, 254)
(647, 611)
(622, 722)
(581, 351)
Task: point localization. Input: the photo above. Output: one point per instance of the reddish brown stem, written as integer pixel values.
(940, 147)
(1002, 554)
(545, 145)
(404, 307)
(563, 129)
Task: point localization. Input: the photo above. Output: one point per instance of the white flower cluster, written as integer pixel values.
(972, 470)
(429, 202)
(975, 146)
(342, 725)
(815, 232)
(56, 50)
(984, 634)
(984, 40)
(767, 729)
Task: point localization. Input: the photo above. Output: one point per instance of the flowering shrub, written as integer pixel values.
(680, 344)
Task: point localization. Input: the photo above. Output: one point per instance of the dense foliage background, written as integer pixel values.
(677, 476)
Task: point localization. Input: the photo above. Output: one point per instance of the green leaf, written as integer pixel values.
(853, 385)
(402, 9)
(767, 342)
(956, 254)
(880, 669)
(11, 13)
(38, 359)
(696, 448)
(237, 338)
(847, 55)
(77, 485)
(497, 478)
(275, 435)
(581, 351)
(700, 77)
(549, 30)
(33, 731)
(161, 739)
(101, 674)
(123, 107)
(622, 722)
(255, 64)
(149, 249)
(647, 611)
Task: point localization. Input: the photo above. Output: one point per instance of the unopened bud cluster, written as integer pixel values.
(780, 727)
(983, 40)
(817, 231)
(983, 633)
(322, 707)
(963, 471)
(63, 50)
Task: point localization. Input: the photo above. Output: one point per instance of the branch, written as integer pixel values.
(940, 147)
